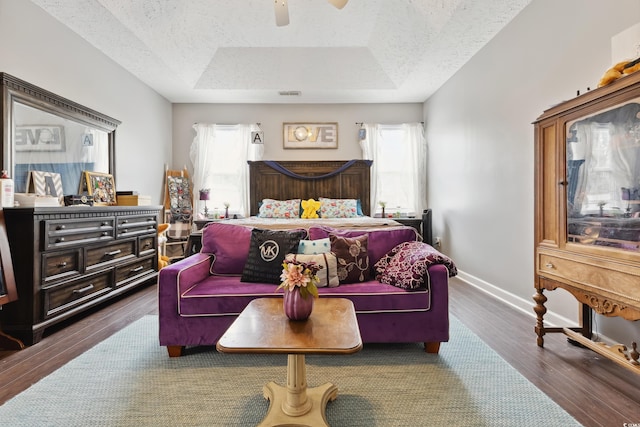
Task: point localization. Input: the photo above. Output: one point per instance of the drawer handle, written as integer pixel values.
(60, 227)
(126, 230)
(104, 234)
(150, 219)
(60, 240)
(135, 270)
(105, 223)
(147, 245)
(125, 221)
(113, 253)
(549, 265)
(62, 264)
(151, 227)
(83, 290)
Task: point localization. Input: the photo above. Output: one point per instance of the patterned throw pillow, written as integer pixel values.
(338, 208)
(271, 208)
(267, 250)
(405, 266)
(311, 247)
(353, 260)
(328, 274)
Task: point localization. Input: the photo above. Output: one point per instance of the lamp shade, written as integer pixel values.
(204, 194)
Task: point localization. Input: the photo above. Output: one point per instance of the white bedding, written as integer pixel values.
(283, 224)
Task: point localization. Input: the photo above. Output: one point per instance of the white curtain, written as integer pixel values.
(407, 165)
(369, 146)
(418, 152)
(219, 154)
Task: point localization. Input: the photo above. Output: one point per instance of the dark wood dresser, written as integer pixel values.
(68, 259)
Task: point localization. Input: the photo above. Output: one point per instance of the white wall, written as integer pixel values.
(38, 49)
(480, 142)
(272, 116)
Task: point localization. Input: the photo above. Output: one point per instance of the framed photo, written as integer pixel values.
(39, 138)
(99, 186)
(310, 135)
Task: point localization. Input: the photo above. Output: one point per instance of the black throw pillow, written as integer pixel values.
(267, 250)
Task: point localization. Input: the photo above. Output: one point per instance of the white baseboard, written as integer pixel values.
(520, 304)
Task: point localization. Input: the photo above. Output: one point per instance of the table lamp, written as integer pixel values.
(204, 195)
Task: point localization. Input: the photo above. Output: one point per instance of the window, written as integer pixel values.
(219, 154)
(398, 174)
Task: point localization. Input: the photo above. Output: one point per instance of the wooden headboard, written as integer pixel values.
(269, 183)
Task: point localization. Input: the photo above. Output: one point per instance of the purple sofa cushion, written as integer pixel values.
(352, 256)
(227, 296)
(230, 245)
(381, 240)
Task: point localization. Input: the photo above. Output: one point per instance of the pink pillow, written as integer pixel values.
(229, 243)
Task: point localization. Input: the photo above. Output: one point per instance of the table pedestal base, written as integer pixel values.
(295, 404)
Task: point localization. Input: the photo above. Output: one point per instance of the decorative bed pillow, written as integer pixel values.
(338, 208)
(271, 208)
(405, 266)
(328, 274)
(267, 250)
(353, 260)
(311, 247)
(229, 243)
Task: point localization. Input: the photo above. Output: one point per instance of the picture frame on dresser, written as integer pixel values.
(100, 187)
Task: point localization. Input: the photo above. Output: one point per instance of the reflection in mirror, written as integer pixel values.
(44, 132)
(50, 143)
(603, 178)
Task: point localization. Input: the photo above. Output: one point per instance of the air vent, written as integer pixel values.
(290, 93)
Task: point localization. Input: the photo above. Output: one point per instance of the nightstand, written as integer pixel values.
(411, 222)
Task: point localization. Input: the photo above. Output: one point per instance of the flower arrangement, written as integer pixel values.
(301, 275)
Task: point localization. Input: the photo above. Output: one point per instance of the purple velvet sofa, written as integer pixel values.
(200, 296)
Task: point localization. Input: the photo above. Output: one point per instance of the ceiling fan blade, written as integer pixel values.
(282, 12)
(338, 3)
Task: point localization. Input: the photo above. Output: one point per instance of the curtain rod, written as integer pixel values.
(361, 123)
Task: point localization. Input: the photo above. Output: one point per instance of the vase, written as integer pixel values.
(296, 307)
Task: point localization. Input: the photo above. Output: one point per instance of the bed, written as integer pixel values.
(286, 180)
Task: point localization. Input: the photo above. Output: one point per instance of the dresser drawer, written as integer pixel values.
(592, 276)
(117, 251)
(60, 265)
(135, 270)
(147, 245)
(63, 233)
(66, 296)
(134, 225)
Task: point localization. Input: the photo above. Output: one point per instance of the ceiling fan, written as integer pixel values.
(282, 10)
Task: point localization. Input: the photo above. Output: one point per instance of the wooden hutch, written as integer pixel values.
(587, 210)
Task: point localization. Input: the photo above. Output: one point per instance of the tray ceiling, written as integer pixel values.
(231, 51)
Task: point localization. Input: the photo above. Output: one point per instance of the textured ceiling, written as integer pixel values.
(230, 51)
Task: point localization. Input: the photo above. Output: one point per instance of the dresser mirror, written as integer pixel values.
(44, 132)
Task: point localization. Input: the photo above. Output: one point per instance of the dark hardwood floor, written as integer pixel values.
(594, 390)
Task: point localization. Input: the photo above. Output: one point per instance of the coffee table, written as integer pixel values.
(262, 327)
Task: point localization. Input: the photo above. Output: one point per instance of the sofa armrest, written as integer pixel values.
(176, 278)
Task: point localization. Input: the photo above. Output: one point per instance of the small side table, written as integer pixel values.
(411, 222)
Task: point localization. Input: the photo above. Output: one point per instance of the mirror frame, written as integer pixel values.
(16, 90)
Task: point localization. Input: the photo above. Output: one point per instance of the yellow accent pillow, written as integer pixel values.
(310, 208)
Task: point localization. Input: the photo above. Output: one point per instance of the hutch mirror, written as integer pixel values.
(42, 131)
